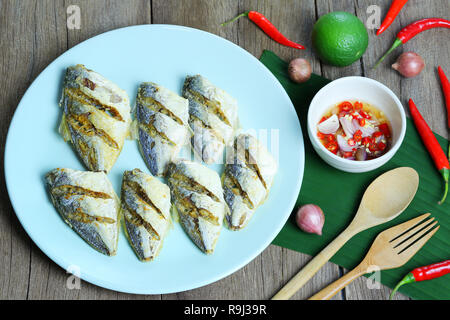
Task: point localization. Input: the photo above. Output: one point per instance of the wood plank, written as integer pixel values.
(207, 15)
(362, 288)
(434, 47)
(295, 20)
(420, 88)
(14, 246)
(47, 280)
(23, 57)
(200, 14)
(244, 284)
(254, 40)
(51, 41)
(292, 262)
(103, 15)
(36, 34)
(332, 72)
(357, 68)
(323, 7)
(378, 45)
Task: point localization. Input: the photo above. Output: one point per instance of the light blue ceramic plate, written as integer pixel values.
(164, 54)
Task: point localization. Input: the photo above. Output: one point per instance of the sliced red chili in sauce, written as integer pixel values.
(351, 142)
(362, 122)
(384, 128)
(377, 134)
(375, 144)
(365, 115)
(323, 119)
(332, 146)
(381, 146)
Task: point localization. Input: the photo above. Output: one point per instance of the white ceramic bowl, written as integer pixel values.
(364, 90)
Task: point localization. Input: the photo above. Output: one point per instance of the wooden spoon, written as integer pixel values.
(385, 198)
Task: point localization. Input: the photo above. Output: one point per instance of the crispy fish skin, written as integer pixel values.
(145, 205)
(213, 117)
(247, 179)
(96, 117)
(86, 201)
(163, 130)
(198, 197)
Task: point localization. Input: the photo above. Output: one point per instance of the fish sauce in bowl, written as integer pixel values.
(355, 130)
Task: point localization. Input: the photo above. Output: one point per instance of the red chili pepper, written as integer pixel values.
(347, 154)
(384, 128)
(392, 13)
(373, 147)
(377, 134)
(323, 119)
(408, 32)
(381, 146)
(365, 115)
(432, 145)
(358, 106)
(268, 28)
(330, 137)
(424, 273)
(351, 142)
(342, 114)
(332, 146)
(362, 122)
(357, 136)
(345, 106)
(446, 89)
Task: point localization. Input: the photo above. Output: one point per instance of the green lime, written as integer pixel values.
(339, 38)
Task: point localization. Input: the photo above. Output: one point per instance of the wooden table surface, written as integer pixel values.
(35, 32)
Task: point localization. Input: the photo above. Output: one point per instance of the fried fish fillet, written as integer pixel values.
(163, 127)
(247, 179)
(145, 204)
(96, 117)
(87, 202)
(212, 116)
(198, 197)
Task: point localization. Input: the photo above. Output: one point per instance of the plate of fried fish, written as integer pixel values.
(154, 159)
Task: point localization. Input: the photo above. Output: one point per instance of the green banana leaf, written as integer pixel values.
(339, 193)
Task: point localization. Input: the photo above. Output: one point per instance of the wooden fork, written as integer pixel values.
(392, 248)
